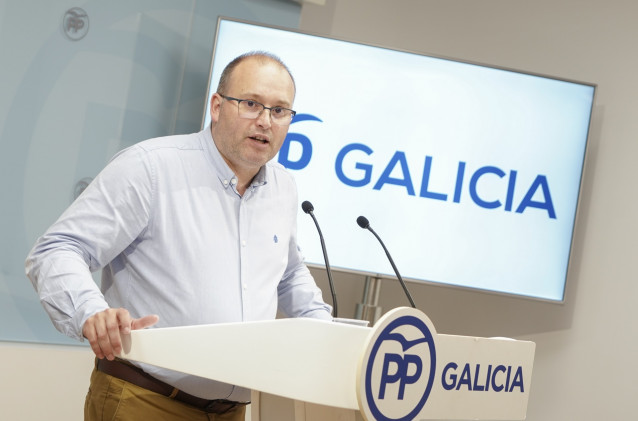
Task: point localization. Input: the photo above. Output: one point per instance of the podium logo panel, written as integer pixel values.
(398, 368)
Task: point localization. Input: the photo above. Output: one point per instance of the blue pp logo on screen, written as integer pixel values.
(400, 370)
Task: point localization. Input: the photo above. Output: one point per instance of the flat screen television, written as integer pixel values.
(469, 173)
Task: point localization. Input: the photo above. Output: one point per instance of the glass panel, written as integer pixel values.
(79, 84)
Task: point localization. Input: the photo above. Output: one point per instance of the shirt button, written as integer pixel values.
(225, 182)
(233, 181)
(243, 243)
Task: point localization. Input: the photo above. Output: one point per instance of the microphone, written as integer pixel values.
(365, 224)
(307, 207)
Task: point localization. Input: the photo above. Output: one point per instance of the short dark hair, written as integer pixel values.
(260, 55)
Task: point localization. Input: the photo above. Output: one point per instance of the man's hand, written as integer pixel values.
(103, 330)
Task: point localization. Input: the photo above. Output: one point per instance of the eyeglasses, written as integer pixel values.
(249, 108)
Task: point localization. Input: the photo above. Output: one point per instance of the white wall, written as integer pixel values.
(587, 349)
(39, 382)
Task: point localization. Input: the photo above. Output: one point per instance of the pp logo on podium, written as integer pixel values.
(398, 368)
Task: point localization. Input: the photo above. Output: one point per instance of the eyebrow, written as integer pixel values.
(257, 97)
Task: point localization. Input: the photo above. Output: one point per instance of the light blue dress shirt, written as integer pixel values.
(173, 237)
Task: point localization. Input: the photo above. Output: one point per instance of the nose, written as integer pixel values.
(264, 119)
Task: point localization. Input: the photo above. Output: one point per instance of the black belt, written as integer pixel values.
(139, 377)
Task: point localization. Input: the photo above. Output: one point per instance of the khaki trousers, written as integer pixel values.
(113, 399)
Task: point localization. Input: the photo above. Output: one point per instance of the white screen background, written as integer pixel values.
(453, 112)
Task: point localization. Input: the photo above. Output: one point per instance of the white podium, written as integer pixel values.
(400, 369)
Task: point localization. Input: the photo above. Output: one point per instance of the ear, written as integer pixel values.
(215, 106)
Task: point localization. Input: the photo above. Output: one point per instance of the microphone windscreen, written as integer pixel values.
(307, 206)
(363, 222)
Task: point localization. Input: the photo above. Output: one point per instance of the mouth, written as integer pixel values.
(263, 139)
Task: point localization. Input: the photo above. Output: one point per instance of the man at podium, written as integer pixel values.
(189, 229)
